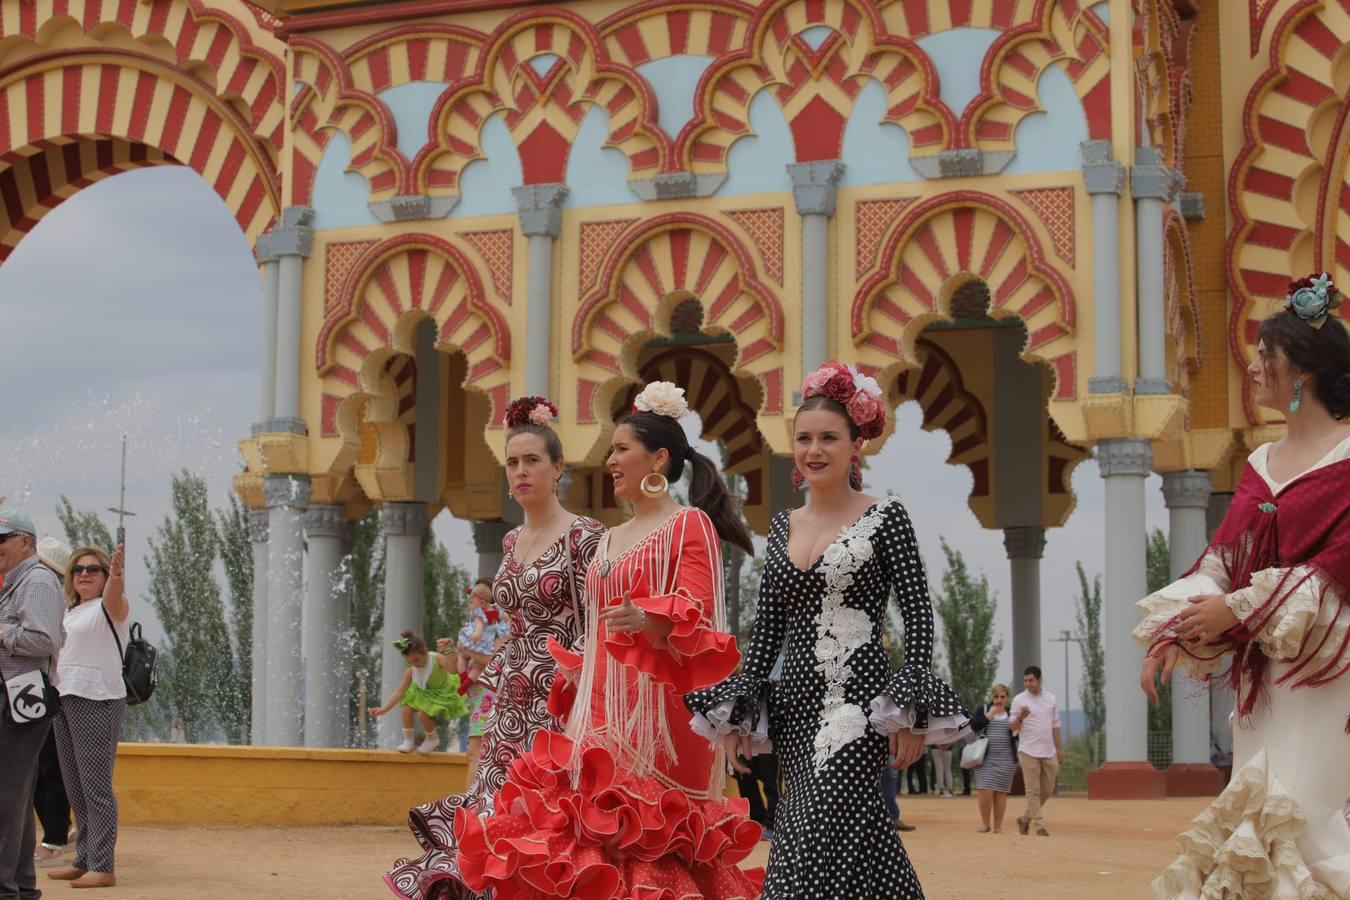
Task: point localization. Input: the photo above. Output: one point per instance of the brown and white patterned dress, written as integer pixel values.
(543, 599)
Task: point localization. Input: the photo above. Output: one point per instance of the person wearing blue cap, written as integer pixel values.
(30, 639)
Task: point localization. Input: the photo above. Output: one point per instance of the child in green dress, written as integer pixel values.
(429, 689)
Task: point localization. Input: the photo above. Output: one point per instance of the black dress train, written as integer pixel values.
(829, 716)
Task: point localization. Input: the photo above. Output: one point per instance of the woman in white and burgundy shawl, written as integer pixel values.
(1273, 592)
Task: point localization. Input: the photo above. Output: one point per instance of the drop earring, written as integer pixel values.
(798, 479)
(1297, 401)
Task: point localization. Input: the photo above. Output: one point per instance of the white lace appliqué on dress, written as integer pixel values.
(840, 631)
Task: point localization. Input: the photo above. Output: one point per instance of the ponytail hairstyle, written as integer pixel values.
(535, 415)
(410, 643)
(1314, 340)
(658, 427)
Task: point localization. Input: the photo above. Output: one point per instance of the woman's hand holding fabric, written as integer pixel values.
(1206, 619)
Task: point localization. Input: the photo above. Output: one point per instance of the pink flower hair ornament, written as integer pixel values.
(859, 394)
(531, 411)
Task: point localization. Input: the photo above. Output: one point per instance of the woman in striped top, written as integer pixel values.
(994, 776)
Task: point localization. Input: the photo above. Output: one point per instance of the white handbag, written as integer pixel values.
(973, 754)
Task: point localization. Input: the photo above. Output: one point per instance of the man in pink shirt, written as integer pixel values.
(1035, 721)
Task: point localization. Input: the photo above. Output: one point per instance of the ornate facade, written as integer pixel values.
(1053, 224)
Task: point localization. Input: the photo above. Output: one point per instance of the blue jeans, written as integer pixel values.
(890, 784)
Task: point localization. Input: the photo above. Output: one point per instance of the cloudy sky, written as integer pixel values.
(135, 308)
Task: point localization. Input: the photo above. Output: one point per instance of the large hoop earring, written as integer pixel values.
(654, 485)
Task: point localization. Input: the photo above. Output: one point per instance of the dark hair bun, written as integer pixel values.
(407, 634)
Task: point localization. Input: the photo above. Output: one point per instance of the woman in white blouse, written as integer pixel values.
(93, 702)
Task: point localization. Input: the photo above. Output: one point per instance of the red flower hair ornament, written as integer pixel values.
(531, 411)
(859, 394)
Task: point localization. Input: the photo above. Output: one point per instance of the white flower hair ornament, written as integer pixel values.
(662, 398)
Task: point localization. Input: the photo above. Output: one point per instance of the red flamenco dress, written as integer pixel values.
(629, 802)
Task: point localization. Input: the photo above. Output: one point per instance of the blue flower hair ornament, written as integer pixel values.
(1313, 299)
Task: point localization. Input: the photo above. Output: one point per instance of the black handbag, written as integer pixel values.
(138, 663)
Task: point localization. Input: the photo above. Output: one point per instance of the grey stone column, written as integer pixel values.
(487, 541)
(326, 689)
(541, 221)
(1125, 464)
(403, 525)
(1025, 547)
(1187, 497)
(267, 258)
(1152, 185)
(291, 244)
(287, 498)
(815, 191)
(1221, 698)
(257, 536)
(1105, 182)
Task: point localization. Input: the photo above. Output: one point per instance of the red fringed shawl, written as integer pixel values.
(1305, 529)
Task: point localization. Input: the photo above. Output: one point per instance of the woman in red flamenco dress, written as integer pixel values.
(629, 803)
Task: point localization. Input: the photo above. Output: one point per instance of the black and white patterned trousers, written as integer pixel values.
(87, 732)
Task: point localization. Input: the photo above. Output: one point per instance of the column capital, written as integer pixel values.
(294, 236)
(1150, 179)
(1183, 490)
(488, 535)
(325, 520)
(1192, 204)
(1101, 173)
(815, 186)
(1125, 456)
(403, 518)
(286, 491)
(257, 526)
(540, 208)
(1024, 542)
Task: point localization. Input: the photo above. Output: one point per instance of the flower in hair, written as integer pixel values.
(662, 398)
(1313, 298)
(859, 394)
(403, 644)
(530, 411)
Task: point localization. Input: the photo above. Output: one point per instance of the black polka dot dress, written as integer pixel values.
(833, 837)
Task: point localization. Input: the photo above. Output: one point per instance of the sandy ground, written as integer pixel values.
(1097, 850)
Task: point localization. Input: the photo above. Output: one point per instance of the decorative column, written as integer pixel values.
(1152, 186)
(1125, 464)
(815, 191)
(541, 221)
(325, 688)
(265, 254)
(1105, 182)
(1025, 547)
(1191, 773)
(1221, 698)
(291, 244)
(487, 541)
(257, 536)
(403, 525)
(287, 496)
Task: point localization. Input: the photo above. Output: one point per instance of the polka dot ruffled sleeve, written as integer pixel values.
(915, 699)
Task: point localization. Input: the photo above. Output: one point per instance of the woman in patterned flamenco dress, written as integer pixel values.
(628, 802)
(539, 586)
(831, 568)
(1271, 593)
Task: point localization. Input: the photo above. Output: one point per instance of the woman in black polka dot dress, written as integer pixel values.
(831, 568)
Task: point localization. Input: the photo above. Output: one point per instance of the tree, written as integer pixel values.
(236, 554)
(361, 579)
(187, 601)
(83, 528)
(966, 609)
(444, 588)
(1158, 560)
(1092, 687)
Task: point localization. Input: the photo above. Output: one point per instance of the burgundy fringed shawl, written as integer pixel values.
(1305, 530)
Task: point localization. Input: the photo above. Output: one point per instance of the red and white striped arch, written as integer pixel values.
(942, 242)
(391, 288)
(1296, 143)
(106, 98)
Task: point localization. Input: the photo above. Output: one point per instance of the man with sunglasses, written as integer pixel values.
(31, 634)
